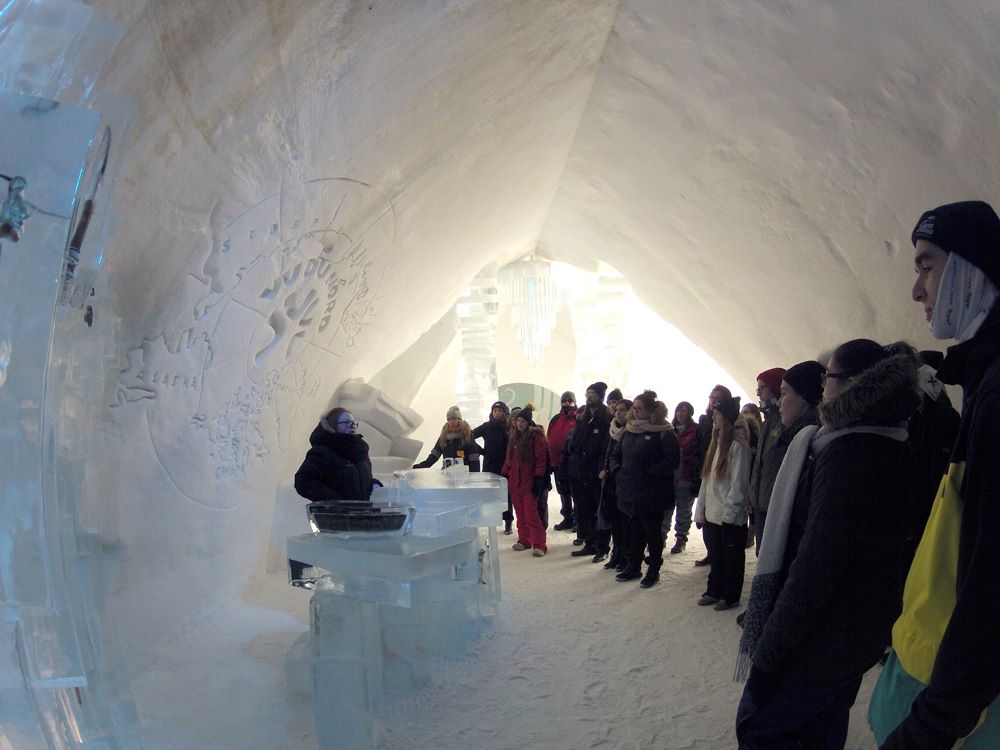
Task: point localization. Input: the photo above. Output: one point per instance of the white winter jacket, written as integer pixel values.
(726, 499)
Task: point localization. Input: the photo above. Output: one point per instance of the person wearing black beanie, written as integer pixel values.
(585, 450)
(806, 381)
(800, 392)
(723, 501)
(526, 469)
(970, 229)
(599, 388)
(957, 258)
(952, 689)
(494, 433)
(729, 408)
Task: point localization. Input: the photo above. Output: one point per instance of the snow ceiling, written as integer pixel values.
(309, 185)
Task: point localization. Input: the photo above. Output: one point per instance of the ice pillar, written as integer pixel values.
(477, 324)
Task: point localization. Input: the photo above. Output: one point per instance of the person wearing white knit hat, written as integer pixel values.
(455, 441)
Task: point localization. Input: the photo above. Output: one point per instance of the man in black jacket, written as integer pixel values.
(942, 679)
(494, 434)
(585, 452)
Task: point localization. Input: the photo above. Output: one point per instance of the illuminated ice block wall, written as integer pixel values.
(63, 682)
(308, 188)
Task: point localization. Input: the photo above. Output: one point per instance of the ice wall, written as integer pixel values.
(62, 681)
(715, 155)
(291, 166)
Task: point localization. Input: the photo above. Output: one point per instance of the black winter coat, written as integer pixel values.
(933, 432)
(846, 543)
(846, 562)
(643, 465)
(586, 443)
(453, 447)
(494, 434)
(337, 467)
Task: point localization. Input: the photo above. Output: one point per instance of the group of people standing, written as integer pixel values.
(871, 503)
(874, 512)
(831, 502)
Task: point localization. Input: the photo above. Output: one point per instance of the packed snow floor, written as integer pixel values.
(575, 660)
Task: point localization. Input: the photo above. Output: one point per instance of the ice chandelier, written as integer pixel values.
(531, 294)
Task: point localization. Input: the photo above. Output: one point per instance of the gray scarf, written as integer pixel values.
(767, 581)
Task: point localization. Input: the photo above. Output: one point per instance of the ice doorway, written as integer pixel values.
(598, 329)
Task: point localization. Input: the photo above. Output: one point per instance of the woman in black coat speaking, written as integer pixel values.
(337, 466)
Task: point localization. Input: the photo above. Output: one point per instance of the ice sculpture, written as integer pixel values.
(15, 210)
(386, 605)
(61, 681)
(385, 423)
(476, 311)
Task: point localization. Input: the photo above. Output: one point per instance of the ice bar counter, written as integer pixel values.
(385, 605)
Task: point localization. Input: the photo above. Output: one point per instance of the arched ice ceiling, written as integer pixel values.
(752, 167)
(706, 150)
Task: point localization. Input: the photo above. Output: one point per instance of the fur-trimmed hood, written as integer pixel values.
(657, 421)
(883, 395)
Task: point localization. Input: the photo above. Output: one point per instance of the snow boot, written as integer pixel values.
(615, 558)
(651, 577)
(629, 574)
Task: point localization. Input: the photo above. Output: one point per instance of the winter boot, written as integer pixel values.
(651, 577)
(629, 574)
(612, 563)
(679, 545)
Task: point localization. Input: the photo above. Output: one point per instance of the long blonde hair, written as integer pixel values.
(464, 431)
(721, 436)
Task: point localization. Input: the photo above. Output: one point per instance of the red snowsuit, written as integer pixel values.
(521, 473)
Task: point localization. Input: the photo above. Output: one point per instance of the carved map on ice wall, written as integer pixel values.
(288, 287)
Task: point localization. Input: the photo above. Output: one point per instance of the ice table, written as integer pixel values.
(384, 607)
